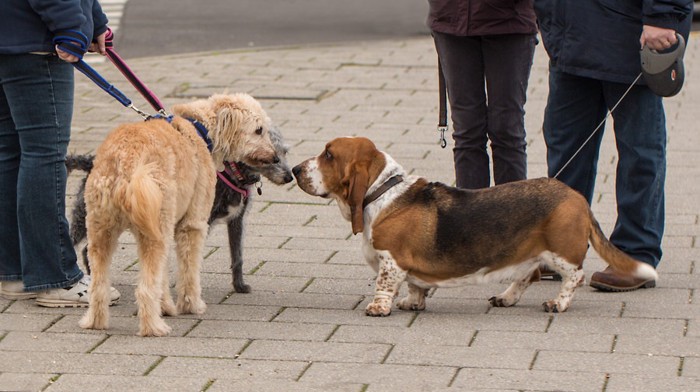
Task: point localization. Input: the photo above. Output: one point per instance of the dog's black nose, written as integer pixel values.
(288, 178)
(296, 170)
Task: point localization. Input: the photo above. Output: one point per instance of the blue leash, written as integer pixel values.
(75, 43)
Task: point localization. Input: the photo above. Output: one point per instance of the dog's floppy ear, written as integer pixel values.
(225, 135)
(357, 180)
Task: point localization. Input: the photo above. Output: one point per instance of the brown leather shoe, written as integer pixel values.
(611, 280)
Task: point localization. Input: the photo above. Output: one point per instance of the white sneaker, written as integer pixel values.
(14, 289)
(72, 297)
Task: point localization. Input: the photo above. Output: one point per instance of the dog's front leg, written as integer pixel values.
(235, 244)
(389, 278)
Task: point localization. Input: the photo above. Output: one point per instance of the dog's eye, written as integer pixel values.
(259, 131)
(327, 154)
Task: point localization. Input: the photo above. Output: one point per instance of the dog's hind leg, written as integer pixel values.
(235, 244)
(516, 289)
(104, 240)
(149, 291)
(189, 240)
(167, 306)
(78, 230)
(572, 277)
(415, 300)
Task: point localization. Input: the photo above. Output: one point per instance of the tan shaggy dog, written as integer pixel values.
(157, 179)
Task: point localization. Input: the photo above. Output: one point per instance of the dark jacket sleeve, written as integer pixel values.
(669, 14)
(59, 15)
(99, 18)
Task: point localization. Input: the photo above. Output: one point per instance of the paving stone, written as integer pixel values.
(316, 351)
(24, 381)
(531, 380)
(460, 356)
(383, 376)
(662, 366)
(296, 300)
(628, 382)
(229, 369)
(50, 341)
(172, 346)
(90, 382)
(55, 362)
(262, 330)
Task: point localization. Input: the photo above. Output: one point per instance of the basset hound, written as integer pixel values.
(433, 235)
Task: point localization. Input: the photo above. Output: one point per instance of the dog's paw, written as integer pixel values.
(552, 306)
(155, 328)
(90, 321)
(499, 302)
(377, 310)
(190, 305)
(406, 304)
(241, 287)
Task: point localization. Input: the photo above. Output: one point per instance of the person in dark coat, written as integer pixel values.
(38, 39)
(594, 51)
(485, 48)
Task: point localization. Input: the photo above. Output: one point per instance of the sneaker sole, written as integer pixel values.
(56, 303)
(17, 296)
(615, 289)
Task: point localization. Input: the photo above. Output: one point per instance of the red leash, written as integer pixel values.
(131, 76)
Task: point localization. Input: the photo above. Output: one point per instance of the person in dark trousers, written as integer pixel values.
(486, 48)
(593, 47)
(38, 40)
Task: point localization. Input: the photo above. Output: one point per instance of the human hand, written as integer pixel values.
(98, 44)
(657, 38)
(65, 56)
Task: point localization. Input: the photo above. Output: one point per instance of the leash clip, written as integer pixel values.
(143, 114)
(442, 129)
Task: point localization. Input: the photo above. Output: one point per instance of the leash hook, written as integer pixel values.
(442, 130)
(143, 114)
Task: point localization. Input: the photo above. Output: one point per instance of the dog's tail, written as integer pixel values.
(617, 259)
(142, 199)
(79, 162)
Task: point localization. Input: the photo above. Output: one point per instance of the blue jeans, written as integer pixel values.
(36, 107)
(486, 78)
(575, 106)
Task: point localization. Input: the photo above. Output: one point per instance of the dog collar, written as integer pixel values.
(203, 132)
(391, 182)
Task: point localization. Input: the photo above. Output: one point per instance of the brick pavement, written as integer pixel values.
(303, 327)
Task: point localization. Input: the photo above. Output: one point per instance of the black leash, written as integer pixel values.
(442, 114)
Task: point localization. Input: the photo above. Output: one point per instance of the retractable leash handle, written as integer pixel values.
(663, 71)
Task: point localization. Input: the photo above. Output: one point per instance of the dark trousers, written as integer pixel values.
(575, 107)
(486, 79)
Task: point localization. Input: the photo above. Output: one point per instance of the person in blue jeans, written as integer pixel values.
(38, 41)
(593, 47)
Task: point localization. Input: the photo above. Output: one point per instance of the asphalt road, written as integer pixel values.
(159, 27)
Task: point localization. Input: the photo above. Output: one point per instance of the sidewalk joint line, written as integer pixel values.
(605, 383)
(454, 377)
(208, 385)
(680, 367)
(195, 325)
(414, 316)
(98, 344)
(304, 370)
(614, 344)
(337, 327)
(386, 356)
(534, 359)
(53, 322)
(155, 364)
(473, 339)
